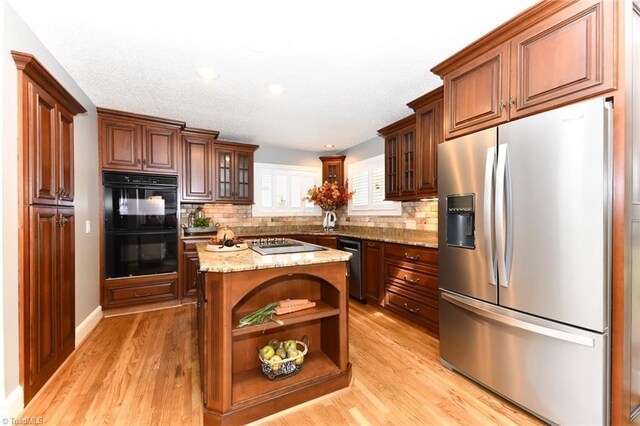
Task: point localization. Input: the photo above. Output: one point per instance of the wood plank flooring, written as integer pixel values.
(143, 369)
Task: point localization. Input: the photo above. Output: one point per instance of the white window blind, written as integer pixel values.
(282, 188)
(366, 178)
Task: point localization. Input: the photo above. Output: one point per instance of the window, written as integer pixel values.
(281, 188)
(366, 178)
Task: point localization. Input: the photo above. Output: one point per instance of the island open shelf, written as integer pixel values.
(235, 391)
(321, 310)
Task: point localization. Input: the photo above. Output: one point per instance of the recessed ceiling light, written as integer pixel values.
(275, 89)
(329, 146)
(207, 73)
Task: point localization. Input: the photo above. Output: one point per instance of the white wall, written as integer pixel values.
(16, 35)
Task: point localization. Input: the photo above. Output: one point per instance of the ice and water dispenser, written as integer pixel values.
(461, 217)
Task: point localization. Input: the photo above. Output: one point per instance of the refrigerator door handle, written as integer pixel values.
(488, 313)
(489, 174)
(504, 216)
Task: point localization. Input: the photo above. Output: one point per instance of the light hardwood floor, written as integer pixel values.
(143, 369)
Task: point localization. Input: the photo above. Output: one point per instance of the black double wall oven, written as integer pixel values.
(141, 224)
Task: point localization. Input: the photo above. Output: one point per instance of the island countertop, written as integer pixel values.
(248, 260)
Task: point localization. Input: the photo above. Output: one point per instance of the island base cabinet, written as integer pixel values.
(235, 391)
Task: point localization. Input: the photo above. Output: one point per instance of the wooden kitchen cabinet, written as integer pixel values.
(119, 292)
(429, 134)
(333, 168)
(411, 283)
(475, 93)
(189, 267)
(372, 268)
(551, 54)
(234, 172)
(329, 241)
(50, 148)
(400, 159)
(197, 165)
(139, 143)
(46, 223)
(565, 57)
(49, 319)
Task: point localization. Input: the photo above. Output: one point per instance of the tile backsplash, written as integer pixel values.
(418, 215)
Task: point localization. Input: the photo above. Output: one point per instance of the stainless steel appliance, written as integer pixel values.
(141, 224)
(273, 245)
(524, 249)
(355, 271)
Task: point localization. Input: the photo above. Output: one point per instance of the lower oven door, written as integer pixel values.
(133, 254)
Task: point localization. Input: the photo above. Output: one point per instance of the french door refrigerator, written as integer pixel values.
(524, 249)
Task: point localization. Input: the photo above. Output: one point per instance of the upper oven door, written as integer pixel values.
(142, 208)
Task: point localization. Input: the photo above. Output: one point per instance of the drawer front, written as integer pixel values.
(191, 245)
(412, 307)
(419, 255)
(410, 278)
(148, 292)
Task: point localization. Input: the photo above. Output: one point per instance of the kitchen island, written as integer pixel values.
(233, 284)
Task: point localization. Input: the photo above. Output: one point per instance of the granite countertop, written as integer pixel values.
(249, 260)
(387, 235)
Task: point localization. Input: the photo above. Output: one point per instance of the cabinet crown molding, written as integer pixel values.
(398, 125)
(235, 145)
(503, 33)
(332, 157)
(200, 132)
(428, 98)
(143, 119)
(29, 65)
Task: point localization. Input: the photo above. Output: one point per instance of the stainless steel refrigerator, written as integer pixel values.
(524, 248)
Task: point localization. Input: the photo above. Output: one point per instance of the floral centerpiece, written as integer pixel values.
(330, 197)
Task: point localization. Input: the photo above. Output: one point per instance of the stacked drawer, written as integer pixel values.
(411, 283)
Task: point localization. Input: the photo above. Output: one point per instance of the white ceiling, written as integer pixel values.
(347, 67)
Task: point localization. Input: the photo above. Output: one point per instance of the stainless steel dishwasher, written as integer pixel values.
(355, 268)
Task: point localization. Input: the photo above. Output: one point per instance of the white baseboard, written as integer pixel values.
(86, 327)
(12, 406)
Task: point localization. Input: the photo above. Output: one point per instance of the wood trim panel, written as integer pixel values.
(475, 94)
(38, 73)
(429, 134)
(579, 41)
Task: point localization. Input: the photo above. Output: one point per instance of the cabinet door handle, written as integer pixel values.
(136, 294)
(501, 105)
(138, 161)
(415, 311)
(512, 102)
(144, 162)
(409, 280)
(371, 244)
(416, 257)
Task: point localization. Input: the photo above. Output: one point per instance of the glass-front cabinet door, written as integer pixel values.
(391, 181)
(224, 175)
(244, 160)
(408, 176)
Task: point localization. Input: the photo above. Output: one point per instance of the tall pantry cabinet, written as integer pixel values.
(46, 239)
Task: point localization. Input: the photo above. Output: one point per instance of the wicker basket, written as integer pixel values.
(287, 367)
